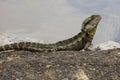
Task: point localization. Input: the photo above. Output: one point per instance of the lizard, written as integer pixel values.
(78, 42)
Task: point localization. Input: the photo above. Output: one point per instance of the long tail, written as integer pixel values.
(29, 46)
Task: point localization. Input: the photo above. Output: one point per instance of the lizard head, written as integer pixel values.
(90, 25)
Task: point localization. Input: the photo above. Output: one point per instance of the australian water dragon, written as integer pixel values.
(78, 42)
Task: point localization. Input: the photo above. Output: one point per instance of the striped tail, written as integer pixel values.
(28, 46)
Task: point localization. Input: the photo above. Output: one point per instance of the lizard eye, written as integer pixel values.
(86, 21)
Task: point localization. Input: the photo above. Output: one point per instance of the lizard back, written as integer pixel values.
(80, 41)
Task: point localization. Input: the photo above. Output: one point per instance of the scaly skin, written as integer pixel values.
(83, 39)
(80, 41)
